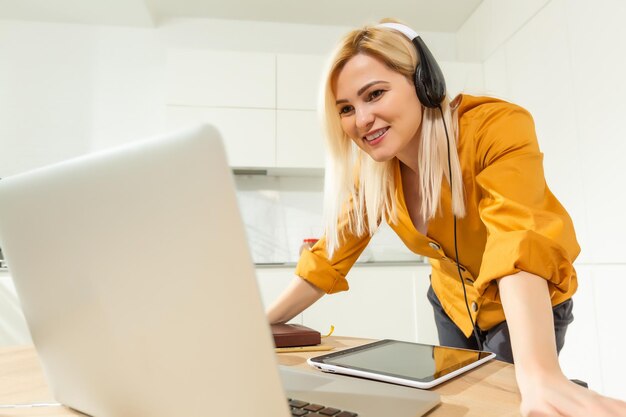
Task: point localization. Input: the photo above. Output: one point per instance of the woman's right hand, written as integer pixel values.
(297, 297)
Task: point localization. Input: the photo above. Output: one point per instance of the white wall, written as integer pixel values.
(563, 62)
(46, 81)
(68, 89)
(128, 77)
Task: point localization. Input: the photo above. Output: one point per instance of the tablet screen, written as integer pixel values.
(407, 360)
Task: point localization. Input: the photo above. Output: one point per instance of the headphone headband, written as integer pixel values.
(404, 29)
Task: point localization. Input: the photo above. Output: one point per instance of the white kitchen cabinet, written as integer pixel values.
(383, 302)
(248, 134)
(196, 77)
(272, 282)
(265, 105)
(299, 142)
(298, 79)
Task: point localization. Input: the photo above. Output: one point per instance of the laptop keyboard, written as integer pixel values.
(303, 408)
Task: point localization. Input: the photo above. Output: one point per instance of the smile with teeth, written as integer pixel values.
(376, 134)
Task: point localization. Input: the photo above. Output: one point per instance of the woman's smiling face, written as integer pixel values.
(378, 107)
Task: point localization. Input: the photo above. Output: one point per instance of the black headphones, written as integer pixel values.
(430, 84)
(430, 87)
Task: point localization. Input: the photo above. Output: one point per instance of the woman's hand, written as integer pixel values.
(545, 390)
(555, 396)
(299, 295)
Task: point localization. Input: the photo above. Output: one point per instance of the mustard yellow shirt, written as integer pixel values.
(513, 222)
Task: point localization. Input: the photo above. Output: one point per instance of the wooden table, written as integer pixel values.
(489, 390)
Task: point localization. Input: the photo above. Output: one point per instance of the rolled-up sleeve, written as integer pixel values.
(330, 274)
(527, 228)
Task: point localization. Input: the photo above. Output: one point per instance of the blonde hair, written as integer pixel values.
(357, 188)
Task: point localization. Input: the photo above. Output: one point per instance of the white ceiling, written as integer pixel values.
(425, 15)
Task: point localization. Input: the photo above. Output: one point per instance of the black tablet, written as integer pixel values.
(405, 363)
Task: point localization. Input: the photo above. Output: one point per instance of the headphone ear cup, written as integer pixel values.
(430, 84)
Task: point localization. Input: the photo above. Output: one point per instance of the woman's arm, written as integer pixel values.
(545, 390)
(299, 295)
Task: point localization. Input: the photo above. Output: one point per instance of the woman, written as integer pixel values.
(477, 196)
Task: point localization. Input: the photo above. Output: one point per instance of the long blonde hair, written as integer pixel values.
(357, 188)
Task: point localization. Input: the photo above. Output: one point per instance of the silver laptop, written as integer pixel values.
(135, 278)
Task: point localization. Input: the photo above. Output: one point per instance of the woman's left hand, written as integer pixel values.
(545, 390)
(554, 395)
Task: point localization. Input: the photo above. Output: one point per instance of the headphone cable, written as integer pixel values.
(456, 247)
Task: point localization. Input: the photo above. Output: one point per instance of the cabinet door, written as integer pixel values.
(299, 142)
(221, 78)
(381, 304)
(272, 282)
(248, 134)
(298, 81)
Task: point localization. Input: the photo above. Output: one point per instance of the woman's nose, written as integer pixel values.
(364, 119)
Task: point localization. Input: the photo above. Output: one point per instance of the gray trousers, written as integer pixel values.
(496, 339)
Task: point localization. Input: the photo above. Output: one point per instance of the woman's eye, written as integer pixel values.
(345, 110)
(375, 94)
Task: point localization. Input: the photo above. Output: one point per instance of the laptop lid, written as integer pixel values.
(136, 281)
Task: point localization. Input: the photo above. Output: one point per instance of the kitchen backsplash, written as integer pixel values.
(280, 211)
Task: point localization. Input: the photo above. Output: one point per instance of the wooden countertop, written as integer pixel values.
(489, 390)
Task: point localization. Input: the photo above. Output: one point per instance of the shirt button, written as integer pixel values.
(434, 245)
(474, 306)
(469, 282)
